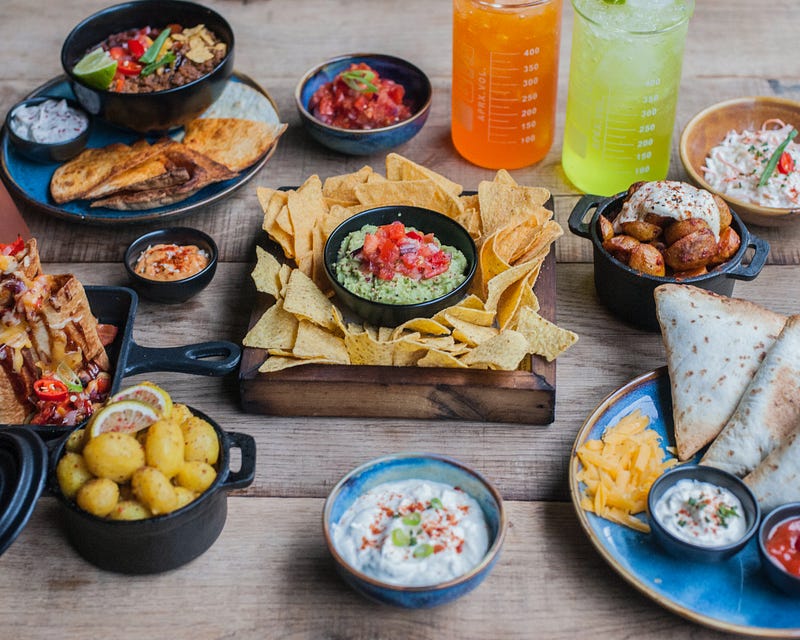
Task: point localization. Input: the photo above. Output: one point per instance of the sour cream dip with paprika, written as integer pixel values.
(168, 262)
(701, 513)
(48, 122)
(412, 533)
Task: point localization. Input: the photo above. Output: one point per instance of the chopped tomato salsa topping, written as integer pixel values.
(359, 98)
(394, 250)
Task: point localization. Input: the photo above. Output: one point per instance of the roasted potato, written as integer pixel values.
(163, 448)
(621, 247)
(605, 228)
(725, 217)
(153, 489)
(692, 251)
(647, 259)
(98, 496)
(114, 456)
(200, 441)
(196, 476)
(728, 245)
(693, 273)
(641, 230)
(681, 228)
(72, 473)
(129, 510)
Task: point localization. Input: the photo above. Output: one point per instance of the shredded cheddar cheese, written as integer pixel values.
(619, 470)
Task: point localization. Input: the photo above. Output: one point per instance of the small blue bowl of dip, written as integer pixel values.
(786, 581)
(695, 551)
(49, 144)
(446, 230)
(425, 467)
(359, 142)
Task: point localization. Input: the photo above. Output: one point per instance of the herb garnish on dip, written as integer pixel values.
(393, 264)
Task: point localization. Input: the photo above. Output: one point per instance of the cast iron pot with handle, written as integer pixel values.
(628, 293)
(163, 542)
(117, 306)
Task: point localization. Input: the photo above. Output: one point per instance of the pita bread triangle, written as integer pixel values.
(714, 346)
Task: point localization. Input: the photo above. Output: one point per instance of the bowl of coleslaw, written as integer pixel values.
(747, 151)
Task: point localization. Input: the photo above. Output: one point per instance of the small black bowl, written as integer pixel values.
(174, 291)
(157, 111)
(686, 550)
(628, 293)
(165, 542)
(45, 152)
(447, 232)
(781, 578)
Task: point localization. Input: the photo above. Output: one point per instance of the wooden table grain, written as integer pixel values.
(269, 574)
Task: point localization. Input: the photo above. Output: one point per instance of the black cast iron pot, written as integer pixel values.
(628, 293)
(163, 542)
(155, 111)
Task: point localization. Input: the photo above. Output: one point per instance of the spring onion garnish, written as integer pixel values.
(167, 58)
(776, 155)
(400, 538)
(423, 550)
(65, 373)
(360, 80)
(412, 519)
(149, 56)
(436, 503)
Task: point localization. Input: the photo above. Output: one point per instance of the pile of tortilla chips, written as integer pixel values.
(495, 327)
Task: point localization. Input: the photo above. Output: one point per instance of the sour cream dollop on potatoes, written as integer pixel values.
(412, 533)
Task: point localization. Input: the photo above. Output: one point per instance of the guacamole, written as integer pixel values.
(394, 264)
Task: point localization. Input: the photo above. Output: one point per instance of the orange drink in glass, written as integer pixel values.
(505, 77)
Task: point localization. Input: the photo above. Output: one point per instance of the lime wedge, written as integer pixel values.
(96, 69)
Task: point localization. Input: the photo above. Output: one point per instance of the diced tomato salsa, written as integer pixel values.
(349, 103)
(394, 250)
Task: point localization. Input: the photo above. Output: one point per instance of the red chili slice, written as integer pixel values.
(12, 248)
(50, 389)
(786, 163)
(136, 48)
(129, 68)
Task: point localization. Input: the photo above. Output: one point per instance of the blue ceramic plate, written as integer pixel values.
(733, 596)
(30, 182)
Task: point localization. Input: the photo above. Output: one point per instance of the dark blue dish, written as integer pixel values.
(446, 230)
(369, 141)
(785, 581)
(424, 466)
(157, 111)
(686, 550)
(174, 291)
(45, 152)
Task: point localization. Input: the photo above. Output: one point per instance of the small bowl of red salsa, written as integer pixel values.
(779, 547)
(362, 104)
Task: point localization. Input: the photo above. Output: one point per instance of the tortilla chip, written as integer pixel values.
(440, 359)
(544, 338)
(306, 208)
(304, 299)
(400, 168)
(512, 299)
(481, 317)
(503, 281)
(422, 325)
(504, 351)
(266, 273)
(504, 177)
(363, 348)
(343, 187)
(279, 363)
(233, 142)
(471, 334)
(502, 203)
(315, 342)
(275, 329)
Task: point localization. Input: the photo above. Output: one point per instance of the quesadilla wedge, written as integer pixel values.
(768, 411)
(714, 346)
(154, 173)
(233, 142)
(776, 480)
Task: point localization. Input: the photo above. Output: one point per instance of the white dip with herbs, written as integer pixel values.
(701, 513)
(412, 533)
(735, 166)
(48, 122)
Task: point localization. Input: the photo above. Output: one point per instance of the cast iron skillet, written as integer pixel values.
(117, 306)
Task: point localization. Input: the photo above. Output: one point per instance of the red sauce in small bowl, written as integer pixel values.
(783, 545)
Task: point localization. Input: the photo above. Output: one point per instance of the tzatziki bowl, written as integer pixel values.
(727, 147)
(414, 530)
(701, 513)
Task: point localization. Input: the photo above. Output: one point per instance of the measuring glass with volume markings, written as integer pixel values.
(505, 76)
(625, 70)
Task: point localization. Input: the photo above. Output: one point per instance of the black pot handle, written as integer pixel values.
(577, 223)
(760, 253)
(247, 472)
(189, 358)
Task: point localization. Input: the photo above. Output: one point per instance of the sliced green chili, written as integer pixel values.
(776, 155)
(400, 538)
(154, 49)
(436, 503)
(423, 551)
(167, 58)
(412, 519)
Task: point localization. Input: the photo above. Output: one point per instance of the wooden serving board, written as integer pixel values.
(522, 396)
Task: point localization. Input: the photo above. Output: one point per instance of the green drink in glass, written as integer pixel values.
(625, 71)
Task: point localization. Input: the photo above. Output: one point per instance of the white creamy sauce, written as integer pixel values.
(48, 122)
(734, 167)
(701, 513)
(670, 199)
(413, 533)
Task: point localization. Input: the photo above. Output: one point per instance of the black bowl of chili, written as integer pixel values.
(147, 102)
(363, 103)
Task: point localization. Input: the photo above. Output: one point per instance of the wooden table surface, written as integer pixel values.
(269, 574)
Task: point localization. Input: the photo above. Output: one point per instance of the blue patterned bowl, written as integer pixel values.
(368, 141)
(424, 466)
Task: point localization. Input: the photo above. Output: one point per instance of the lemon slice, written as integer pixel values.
(148, 393)
(125, 416)
(96, 69)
